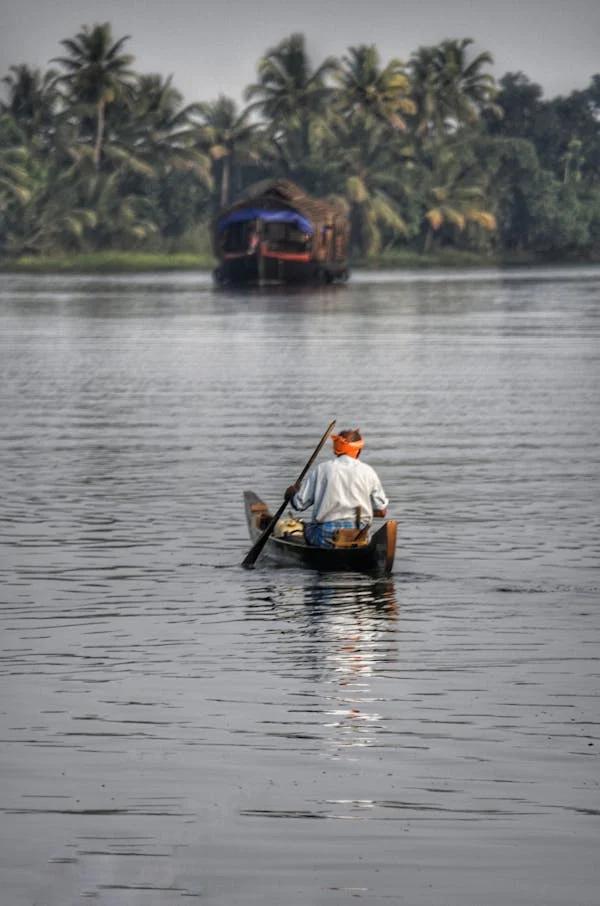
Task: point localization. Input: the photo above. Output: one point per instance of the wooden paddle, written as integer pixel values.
(252, 555)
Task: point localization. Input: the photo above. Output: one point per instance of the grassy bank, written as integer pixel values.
(108, 262)
(405, 259)
(129, 262)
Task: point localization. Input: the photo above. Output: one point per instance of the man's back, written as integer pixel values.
(336, 489)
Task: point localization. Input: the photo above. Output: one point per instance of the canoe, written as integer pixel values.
(375, 557)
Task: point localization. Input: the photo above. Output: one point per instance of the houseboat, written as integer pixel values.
(276, 233)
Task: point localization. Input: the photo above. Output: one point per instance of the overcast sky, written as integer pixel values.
(212, 46)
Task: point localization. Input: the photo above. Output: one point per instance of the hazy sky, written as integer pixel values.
(212, 46)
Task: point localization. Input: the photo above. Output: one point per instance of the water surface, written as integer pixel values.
(172, 726)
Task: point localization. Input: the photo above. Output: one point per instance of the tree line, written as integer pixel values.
(426, 154)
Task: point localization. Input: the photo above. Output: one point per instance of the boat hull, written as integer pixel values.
(376, 557)
(254, 270)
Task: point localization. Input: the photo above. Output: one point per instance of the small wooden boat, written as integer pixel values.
(377, 556)
(276, 233)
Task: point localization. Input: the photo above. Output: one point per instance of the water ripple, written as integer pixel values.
(170, 724)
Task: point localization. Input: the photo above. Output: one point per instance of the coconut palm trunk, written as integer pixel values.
(100, 128)
(428, 240)
(225, 180)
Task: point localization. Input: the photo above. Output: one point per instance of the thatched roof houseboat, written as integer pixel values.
(276, 233)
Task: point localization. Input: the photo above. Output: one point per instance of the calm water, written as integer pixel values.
(173, 726)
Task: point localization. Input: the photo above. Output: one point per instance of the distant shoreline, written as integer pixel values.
(108, 262)
(131, 262)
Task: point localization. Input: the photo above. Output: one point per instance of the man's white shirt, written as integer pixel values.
(337, 487)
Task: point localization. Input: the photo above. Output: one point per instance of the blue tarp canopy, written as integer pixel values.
(243, 215)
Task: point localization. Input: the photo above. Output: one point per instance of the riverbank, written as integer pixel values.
(130, 262)
(109, 262)
(406, 259)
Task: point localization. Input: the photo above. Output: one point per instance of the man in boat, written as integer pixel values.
(344, 492)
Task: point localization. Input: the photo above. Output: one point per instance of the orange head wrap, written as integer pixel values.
(343, 446)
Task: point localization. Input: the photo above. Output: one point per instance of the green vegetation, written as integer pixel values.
(104, 168)
(108, 262)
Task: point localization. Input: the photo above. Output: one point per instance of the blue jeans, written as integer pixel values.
(320, 534)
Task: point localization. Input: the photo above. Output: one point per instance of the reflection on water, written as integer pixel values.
(361, 636)
(174, 726)
(348, 623)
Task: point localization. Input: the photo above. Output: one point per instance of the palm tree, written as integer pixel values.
(368, 182)
(32, 100)
(365, 86)
(45, 214)
(468, 89)
(424, 71)
(97, 74)
(82, 207)
(153, 133)
(454, 198)
(120, 218)
(450, 91)
(229, 137)
(290, 94)
(15, 177)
